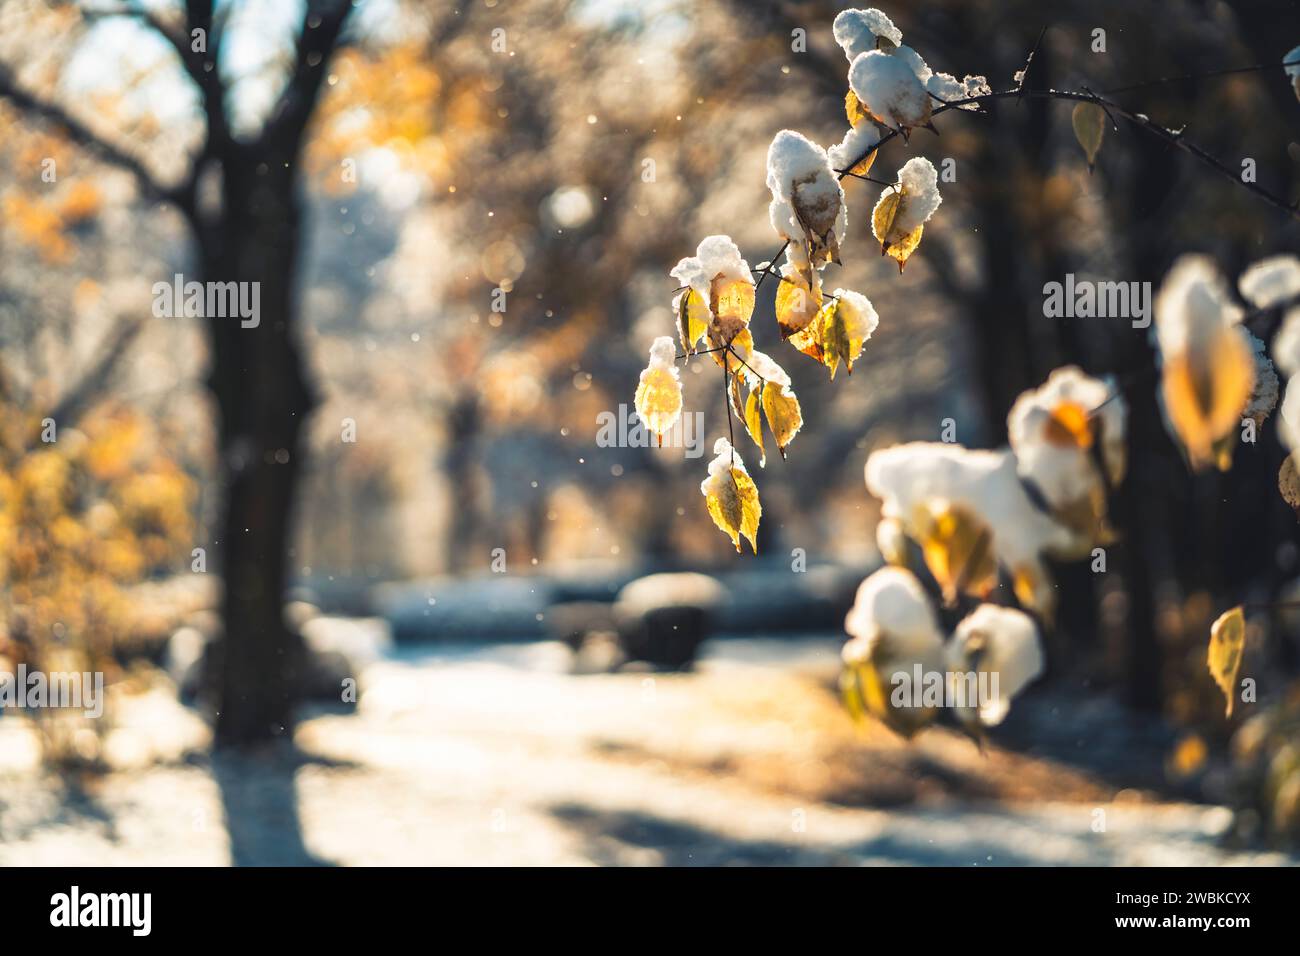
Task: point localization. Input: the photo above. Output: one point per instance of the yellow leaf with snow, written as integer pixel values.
(895, 243)
(732, 500)
(1205, 392)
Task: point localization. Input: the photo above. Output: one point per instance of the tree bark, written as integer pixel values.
(258, 380)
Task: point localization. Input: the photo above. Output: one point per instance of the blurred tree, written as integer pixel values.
(240, 195)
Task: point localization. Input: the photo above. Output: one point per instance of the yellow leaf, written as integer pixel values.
(1089, 122)
(692, 318)
(733, 304)
(808, 340)
(797, 302)
(733, 504)
(742, 345)
(1205, 393)
(1188, 757)
(1227, 639)
(893, 243)
(835, 339)
(659, 399)
(854, 110)
(957, 548)
(784, 417)
(754, 422)
(1069, 426)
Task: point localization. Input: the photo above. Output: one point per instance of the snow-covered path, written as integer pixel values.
(497, 755)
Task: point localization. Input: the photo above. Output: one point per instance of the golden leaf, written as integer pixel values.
(1069, 426)
(957, 548)
(898, 246)
(808, 340)
(733, 504)
(784, 417)
(1089, 121)
(754, 422)
(854, 110)
(797, 302)
(1205, 393)
(692, 319)
(742, 345)
(733, 303)
(835, 339)
(659, 400)
(1227, 640)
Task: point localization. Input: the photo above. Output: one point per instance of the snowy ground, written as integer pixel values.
(499, 755)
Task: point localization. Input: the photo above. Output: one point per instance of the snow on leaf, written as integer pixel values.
(889, 89)
(731, 496)
(899, 216)
(807, 199)
(1227, 640)
(898, 245)
(1089, 121)
(999, 641)
(659, 393)
(1208, 366)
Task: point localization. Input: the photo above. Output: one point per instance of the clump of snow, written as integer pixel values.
(1263, 399)
(725, 458)
(997, 641)
(1286, 345)
(942, 86)
(949, 89)
(908, 478)
(1289, 427)
(856, 31)
(715, 257)
(889, 89)
(1193, 306)
(1063, 472)
(854, 146)
(891, 608)
(662, 353)
(765, 367)
(920, 183)
(1271, 281)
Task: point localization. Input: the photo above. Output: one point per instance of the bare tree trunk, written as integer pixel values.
(258, 380)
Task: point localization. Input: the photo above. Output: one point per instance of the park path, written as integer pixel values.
(500, 755)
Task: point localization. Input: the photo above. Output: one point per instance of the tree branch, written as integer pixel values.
(83, 136)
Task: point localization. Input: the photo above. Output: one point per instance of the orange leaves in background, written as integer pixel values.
(82, 516)
(394, 100)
